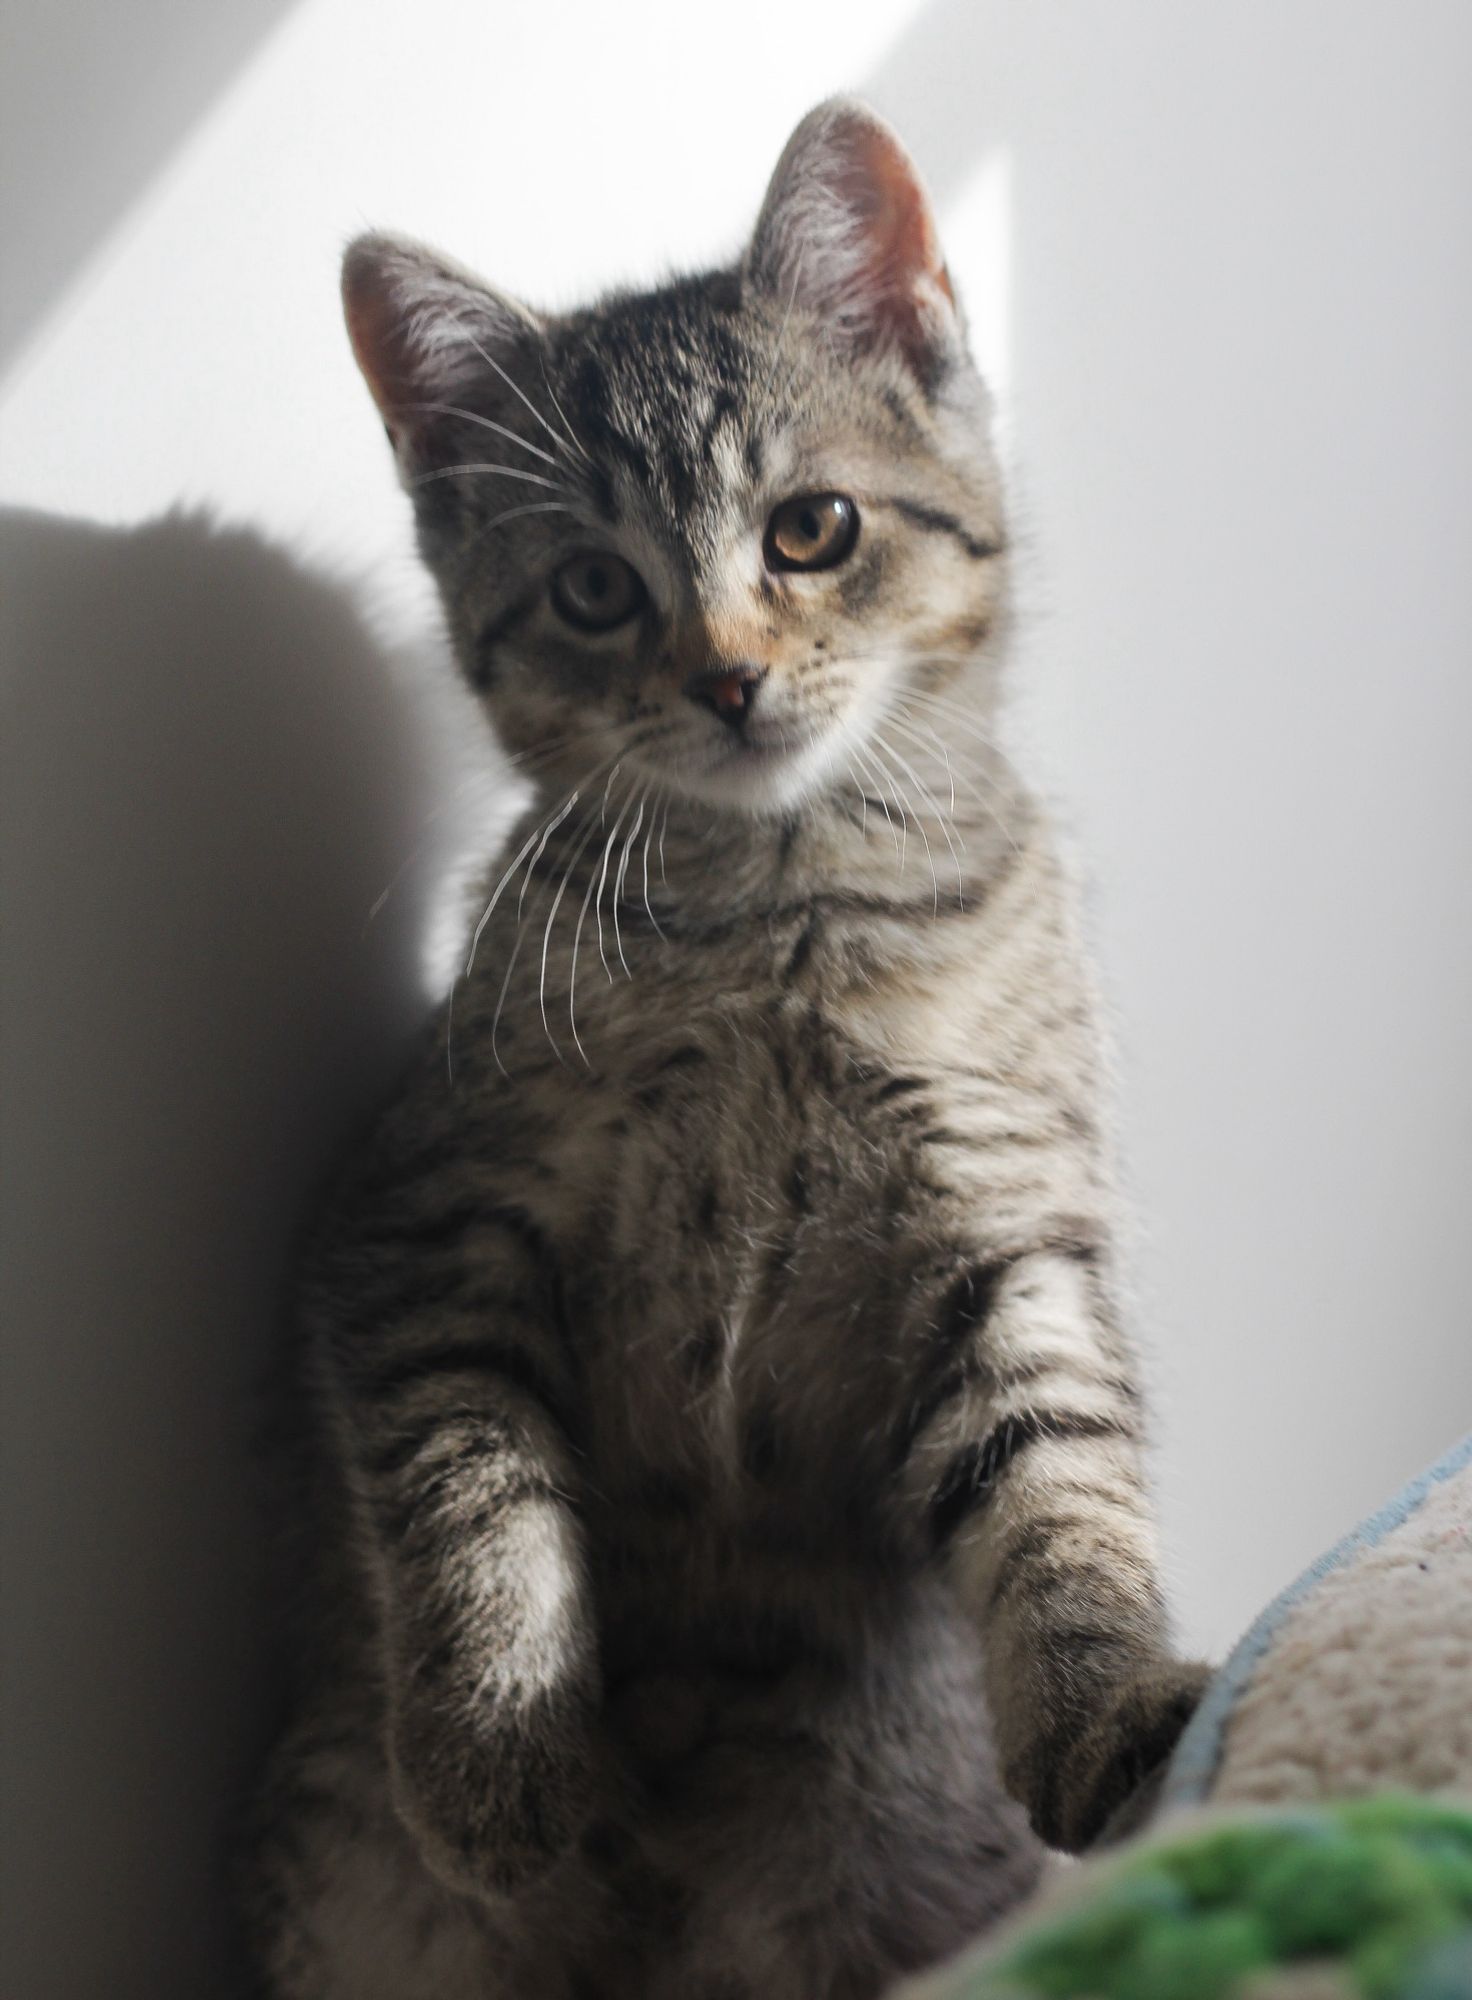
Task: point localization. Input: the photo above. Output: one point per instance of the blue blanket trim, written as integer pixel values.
(1193, 1767)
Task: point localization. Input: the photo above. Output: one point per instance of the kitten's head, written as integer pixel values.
(716, 534)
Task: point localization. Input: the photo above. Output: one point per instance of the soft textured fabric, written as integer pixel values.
(1360, 1675)
(1349, 1697)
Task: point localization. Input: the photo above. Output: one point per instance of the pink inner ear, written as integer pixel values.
(847, 230)
(879, 182)
(380, 338)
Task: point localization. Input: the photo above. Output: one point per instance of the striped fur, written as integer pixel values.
(721, 1454)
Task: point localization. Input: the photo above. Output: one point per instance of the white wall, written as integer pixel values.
(1230, 307)
(1242, 278)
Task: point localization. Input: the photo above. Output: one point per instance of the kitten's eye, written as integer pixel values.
(815, 531)
(595, 592)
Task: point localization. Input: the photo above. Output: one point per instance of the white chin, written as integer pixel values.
(755, 779)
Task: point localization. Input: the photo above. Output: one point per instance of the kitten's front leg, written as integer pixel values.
(455, 1418)
(1021, 1457)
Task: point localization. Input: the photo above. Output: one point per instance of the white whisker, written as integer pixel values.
(528, 844)
(485, 918)
(514, 513)
(557, 905)
(515, 949)
(618, 885)
(648, 906)
(926, 793)
(871, 772)
(602, 879)
(514, 387)
(576, 856)
(486, 423)
(886, 780)
(979, 777)
(556, 819)
(577, 938)
(884, 744)
(572, 436)
(917, 734)
(501, 471)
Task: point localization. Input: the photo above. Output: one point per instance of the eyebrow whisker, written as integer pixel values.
(505, 471)
(486, 423)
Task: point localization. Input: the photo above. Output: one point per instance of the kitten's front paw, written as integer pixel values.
(495, 1798)
(1131, 1737)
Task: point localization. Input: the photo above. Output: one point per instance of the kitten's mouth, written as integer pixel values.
(764, 765)
(768, 749)
(762, 743)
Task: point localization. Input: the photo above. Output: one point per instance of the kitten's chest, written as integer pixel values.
(742, 1179)
(742, 1210)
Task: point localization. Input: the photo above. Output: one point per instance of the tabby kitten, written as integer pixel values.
(721, 1470)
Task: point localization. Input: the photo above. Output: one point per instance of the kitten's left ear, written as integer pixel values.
(428, 336)
(847, 232)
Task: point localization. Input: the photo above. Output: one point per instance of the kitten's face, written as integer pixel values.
(714, 537)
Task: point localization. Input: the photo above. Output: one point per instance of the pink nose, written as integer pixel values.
(729, 691)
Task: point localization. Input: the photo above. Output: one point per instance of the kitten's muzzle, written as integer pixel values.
(729, 692)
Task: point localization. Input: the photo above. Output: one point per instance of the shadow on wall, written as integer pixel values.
(136, 83)
(213, 772)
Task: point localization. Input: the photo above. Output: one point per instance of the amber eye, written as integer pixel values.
(595, 591)
(815, 531)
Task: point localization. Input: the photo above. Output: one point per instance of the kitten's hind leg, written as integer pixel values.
(337, 1902)
(862, 1837)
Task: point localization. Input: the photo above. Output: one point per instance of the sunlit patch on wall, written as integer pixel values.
(976, 229)
(486, 805)
(459, 796)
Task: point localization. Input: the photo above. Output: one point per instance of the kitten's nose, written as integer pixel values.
(729, 691)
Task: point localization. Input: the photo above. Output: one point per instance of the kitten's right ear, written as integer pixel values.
(430, 339)
(847, 231)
